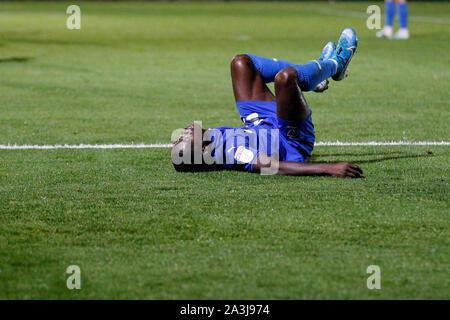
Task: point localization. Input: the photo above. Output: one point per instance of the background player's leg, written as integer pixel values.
(390, 13)
(248, 83)
(291, 104)
(403, 32)
(387, 31)
(402, 14)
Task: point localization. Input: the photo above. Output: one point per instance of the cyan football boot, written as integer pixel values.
(327, 52)
(348, 42)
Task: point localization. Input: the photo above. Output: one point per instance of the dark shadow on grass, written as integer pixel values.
(403, 156)
(411, 156)
(354, 154)
(15, 59)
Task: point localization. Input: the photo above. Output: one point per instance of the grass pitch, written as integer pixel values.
(137, 229)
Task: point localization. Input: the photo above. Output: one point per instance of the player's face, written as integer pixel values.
(186, 141)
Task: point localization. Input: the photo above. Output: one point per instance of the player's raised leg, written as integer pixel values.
(291, 104)
(310, 74)
(248, 83)
(250, 73)
(387, 31)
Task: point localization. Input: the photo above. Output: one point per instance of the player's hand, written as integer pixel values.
(344, 170)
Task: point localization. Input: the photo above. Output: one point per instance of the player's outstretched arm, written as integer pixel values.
(290, 168)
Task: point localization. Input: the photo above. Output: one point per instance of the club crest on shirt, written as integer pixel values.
(292, 133)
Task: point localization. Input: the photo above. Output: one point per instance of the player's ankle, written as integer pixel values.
(336, 63)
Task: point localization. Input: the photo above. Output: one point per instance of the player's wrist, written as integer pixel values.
(327, 169)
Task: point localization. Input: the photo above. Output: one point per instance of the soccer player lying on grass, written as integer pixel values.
(279, 134)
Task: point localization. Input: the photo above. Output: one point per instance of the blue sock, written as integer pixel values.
(314, 72)
(309, 74)
(403, 15)
(269, 67)
(390, 13)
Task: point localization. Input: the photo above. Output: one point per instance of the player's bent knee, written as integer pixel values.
(241, 61)
(286, 76)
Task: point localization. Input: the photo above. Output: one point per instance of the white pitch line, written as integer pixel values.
(385, 143)
(83, 146)
(150, 146)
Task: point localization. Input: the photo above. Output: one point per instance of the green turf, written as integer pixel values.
(137, 229)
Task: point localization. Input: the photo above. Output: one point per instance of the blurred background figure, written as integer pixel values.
(387, 31)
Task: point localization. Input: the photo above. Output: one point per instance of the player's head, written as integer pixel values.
(189, 148)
